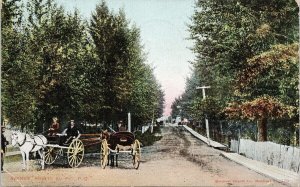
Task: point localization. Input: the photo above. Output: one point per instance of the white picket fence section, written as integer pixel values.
(282, 156)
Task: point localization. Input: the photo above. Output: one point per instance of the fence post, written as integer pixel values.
(228, 136)
(239, 138)
(207, 130)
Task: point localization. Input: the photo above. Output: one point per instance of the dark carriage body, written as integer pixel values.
(121, 138)
(53, 139)
(119, 143)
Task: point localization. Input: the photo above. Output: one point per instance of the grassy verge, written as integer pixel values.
(11, 149)
(149, 138)
(13, 158)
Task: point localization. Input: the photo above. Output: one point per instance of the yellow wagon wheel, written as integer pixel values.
(75, 153)
(104, 152)
(51, 154)
(136, 154)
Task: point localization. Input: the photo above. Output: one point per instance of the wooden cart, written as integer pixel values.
(74, 151)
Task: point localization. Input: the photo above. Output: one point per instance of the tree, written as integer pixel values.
(247, 51)
(111, 36)
(260, 109)
(55, 64)
(146, 98)
(59, 52)
(273, 73)
(128, 85)
(18, 104)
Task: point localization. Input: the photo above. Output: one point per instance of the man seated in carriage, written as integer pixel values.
(121, 126)
(70, 133)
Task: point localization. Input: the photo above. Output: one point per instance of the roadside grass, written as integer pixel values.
(13, 158)
(11, 149)
(149, 138)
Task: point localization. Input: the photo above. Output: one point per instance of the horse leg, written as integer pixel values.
(27, 161)
(108, 159)
(117, 160)
(2, 160)
(24, 160)
(40, 151)
(112, 161)
(43, 156)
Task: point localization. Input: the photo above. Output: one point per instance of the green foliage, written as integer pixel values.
(56, 64)
(128, 84)
(148, 138)
(17, 97)
(244, 51)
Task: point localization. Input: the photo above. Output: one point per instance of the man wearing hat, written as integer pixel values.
(4, 142)
(121, 126)
(71, 132)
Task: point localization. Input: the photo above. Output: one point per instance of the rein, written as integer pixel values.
(34, 144)
(23, 142)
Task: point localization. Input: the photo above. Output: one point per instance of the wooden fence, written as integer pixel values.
(282, 156)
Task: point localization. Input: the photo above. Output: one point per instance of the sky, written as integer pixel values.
(164, 34)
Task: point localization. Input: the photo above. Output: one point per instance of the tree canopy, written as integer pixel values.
(247, 52)
(58, 64)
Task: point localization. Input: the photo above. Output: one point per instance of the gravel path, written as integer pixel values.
(178, 159)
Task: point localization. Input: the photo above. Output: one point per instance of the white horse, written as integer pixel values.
(28, 144)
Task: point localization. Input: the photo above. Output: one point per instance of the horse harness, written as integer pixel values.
(34, 144)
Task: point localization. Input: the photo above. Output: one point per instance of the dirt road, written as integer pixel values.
(178, 159)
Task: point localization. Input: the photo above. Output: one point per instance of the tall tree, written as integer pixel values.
(128, 85)
(55, 64)
(18, 104)
(59, 52)
(234, 39)
(110, 34)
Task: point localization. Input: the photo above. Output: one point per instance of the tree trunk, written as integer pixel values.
(262, 129)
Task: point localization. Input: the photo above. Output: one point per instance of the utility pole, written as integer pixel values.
(129, 122)
(298, 3)
(206, 120)
(152, 122)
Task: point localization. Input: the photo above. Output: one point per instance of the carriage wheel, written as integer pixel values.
(136, 154)
(104, 154)
(75, 153)
(51, 155)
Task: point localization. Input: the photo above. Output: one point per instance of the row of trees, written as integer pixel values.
(247, 51)
(57, 64)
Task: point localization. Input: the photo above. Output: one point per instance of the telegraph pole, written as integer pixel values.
(298, 2)
(206, 120)
(129, 122)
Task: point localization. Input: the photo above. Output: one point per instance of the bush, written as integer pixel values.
(148, 138)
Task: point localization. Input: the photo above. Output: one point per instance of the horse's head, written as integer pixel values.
(14, 138)
(105, 135)
(17, 137)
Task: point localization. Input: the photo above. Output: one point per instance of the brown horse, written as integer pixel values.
(117, 141)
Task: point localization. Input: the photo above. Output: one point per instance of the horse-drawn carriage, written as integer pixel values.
(51, 148)
(73, 151)
(120, 143)
(111, 145)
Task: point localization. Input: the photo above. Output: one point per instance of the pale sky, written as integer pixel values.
(163, 25)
